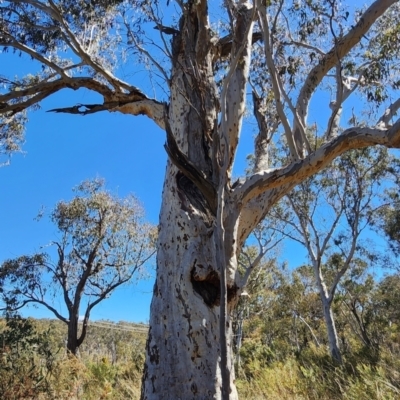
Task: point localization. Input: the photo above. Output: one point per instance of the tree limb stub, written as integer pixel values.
(167, 30)
(225, 44)
(150, 108)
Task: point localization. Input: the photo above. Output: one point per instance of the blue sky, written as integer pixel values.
(61, 150)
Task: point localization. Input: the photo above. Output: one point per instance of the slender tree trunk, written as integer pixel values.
(361, 326)
(331, 328)
(72, 339)
(326, 301)
(239, 333)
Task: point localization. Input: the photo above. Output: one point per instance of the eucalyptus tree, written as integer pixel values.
(388, 222)
(277, 315)
(328, 213)
(286, 52)
(103, 243)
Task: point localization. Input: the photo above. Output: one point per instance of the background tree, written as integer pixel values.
(103, 243)
(387, 221)
(327, 215)
(205, 65)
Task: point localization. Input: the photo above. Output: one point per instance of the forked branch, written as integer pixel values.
(342, 47)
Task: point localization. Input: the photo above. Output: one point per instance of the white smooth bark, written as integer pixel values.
(331, 329)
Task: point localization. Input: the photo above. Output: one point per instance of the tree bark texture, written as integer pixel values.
(183, 359)
(183, 352)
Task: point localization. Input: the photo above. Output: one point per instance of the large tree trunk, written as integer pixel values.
(189, 348)
(183, 351)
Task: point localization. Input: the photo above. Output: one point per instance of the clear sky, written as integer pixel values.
(61, 150)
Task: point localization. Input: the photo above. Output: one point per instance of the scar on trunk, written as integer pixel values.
(209, 288)
(192, 199)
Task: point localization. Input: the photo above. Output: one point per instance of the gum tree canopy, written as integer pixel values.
(102, 242)
(218, 62)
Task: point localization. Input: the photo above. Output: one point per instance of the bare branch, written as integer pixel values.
(34, 300)
(304, 220)
(256, 262)
(295, 173)
(342, 47)
(262, 140)
(389, 113)
(274, 79)
(147, 54)
(234, 84)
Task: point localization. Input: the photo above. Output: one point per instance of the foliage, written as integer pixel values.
(265, 373)
(12, 131)
(28, 358)
(37, 367)
(314, 378)
(285, 357)
(103, 243)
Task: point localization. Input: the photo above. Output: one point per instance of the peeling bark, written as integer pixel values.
(183, 352)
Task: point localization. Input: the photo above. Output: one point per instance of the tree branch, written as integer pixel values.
(262, 140)
(390, 112)
(45, 304)
(341, 49)
(263, 20)
(234, 84)
(294, 173)
(76, 47)
(53, 86)
(134, 102)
